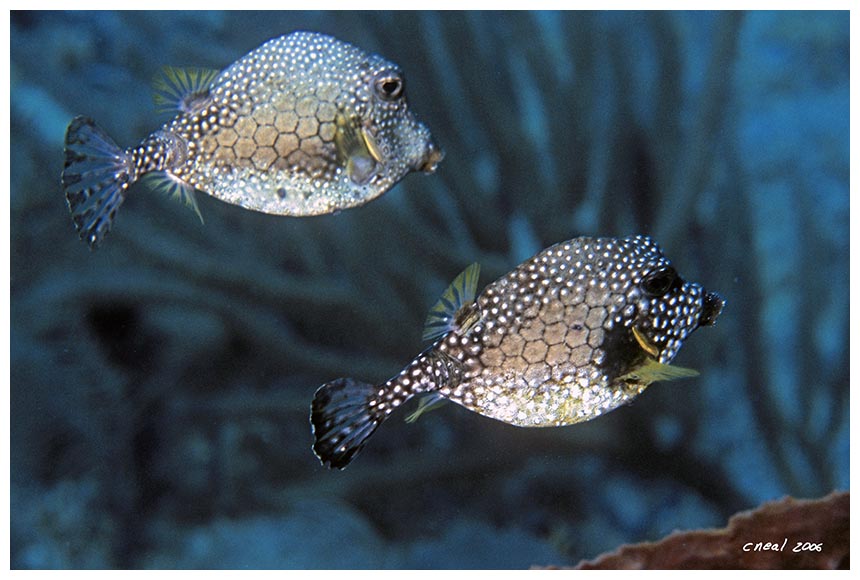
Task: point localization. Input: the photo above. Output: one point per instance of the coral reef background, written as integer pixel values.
(160, 386)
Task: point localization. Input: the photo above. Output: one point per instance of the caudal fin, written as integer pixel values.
(343, 417)
(96, 176)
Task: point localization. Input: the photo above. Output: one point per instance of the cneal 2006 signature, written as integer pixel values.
(777, 547)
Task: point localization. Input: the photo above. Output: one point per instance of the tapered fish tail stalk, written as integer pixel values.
(346, 412)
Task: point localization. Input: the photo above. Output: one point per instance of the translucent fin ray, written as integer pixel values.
(652, 371)
(173, 187)
(183, 89)
(96, 177)
(461, 292)
(356, 149)
(342, 419)
(425, 405)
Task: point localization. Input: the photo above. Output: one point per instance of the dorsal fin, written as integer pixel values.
(461, 292)
(167, 183)
(183, 89)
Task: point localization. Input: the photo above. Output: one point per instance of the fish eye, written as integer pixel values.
(659, 281)
(389, 86)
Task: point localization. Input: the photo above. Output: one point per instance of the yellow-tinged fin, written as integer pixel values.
(370, 145)
(183, 89)
(646, 345)
(172, 186)
(356, 149)
(346, 137)
(425, 405)
(461, 293)
(652, 371)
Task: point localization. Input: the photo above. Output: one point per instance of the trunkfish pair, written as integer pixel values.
(308, 125)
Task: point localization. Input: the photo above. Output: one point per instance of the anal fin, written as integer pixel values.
(172, 186)
(425, 405)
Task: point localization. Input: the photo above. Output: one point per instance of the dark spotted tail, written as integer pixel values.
(343, 416)
(96, 176)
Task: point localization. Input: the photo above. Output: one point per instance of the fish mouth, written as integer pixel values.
(712, 306)
(432, 156)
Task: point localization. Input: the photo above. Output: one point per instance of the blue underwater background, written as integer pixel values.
(160, 386)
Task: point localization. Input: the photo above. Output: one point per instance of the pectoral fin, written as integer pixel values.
(356, 149)
(651, 371)
(646, 344)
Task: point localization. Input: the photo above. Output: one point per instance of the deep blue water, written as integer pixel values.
(160, 386)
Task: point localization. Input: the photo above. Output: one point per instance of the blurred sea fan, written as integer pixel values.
(175, 365)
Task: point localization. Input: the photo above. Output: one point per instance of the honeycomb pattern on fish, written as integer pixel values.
(269, 139)
(574, 332)
(304, 125)
(283, 136)
(538, 355)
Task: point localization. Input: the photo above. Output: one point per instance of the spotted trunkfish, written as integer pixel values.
(578, 330)
(304, 125)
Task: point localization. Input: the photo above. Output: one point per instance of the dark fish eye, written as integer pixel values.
(389, 86)
(659, 281)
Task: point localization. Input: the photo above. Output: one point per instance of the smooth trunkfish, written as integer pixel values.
(304, 125)
(578, 330)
